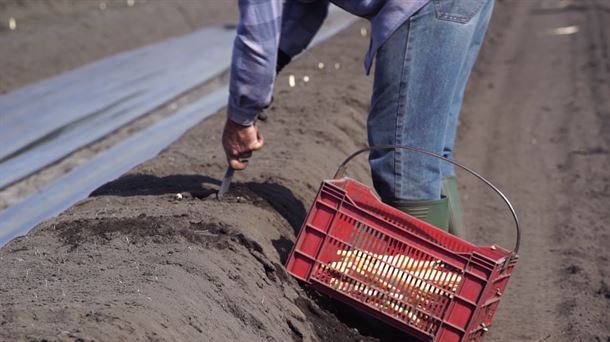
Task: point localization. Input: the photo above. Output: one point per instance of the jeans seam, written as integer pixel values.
(402, 104)
(457, 19)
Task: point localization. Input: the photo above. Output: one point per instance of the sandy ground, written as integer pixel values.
(133, 262)
(538, 122)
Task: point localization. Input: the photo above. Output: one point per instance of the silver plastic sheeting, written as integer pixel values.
(110, 164)
(44, 122)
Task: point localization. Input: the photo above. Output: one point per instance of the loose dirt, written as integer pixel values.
(134, 262)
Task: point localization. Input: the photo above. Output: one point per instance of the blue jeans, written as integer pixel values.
(420, 76)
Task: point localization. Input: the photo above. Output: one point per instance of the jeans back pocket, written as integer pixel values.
(460, 11)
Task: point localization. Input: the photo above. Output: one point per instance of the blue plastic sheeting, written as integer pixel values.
(44, 122)
(110, 164)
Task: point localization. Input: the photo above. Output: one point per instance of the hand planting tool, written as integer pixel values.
(226, 181)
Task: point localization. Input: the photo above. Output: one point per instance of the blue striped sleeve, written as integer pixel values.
(254, 59)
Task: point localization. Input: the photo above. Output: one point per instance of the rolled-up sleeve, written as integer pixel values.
(255, 49)
(254, 59)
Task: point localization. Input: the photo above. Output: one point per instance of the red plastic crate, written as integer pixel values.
(404, 271)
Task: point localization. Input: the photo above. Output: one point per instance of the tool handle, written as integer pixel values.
(343, 167)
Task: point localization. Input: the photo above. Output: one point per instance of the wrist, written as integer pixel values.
(237, 125)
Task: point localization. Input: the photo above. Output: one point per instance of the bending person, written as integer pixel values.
(423, 51)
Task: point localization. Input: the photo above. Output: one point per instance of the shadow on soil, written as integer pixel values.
(280, 198)
(283, 201)
(147, 185)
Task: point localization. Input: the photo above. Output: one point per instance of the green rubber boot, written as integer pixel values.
(449, 189)
(434, 212)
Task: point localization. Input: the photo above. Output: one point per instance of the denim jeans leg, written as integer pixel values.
(417, 72)
(482, 20)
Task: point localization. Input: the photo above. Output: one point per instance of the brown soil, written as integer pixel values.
(133, 262)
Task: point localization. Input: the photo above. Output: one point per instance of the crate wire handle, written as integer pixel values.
(343, 167)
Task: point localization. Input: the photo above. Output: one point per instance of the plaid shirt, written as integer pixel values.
(264, 26)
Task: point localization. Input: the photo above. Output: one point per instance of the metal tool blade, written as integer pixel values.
(226, 182)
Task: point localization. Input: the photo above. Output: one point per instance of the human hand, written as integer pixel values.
(239, 142)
